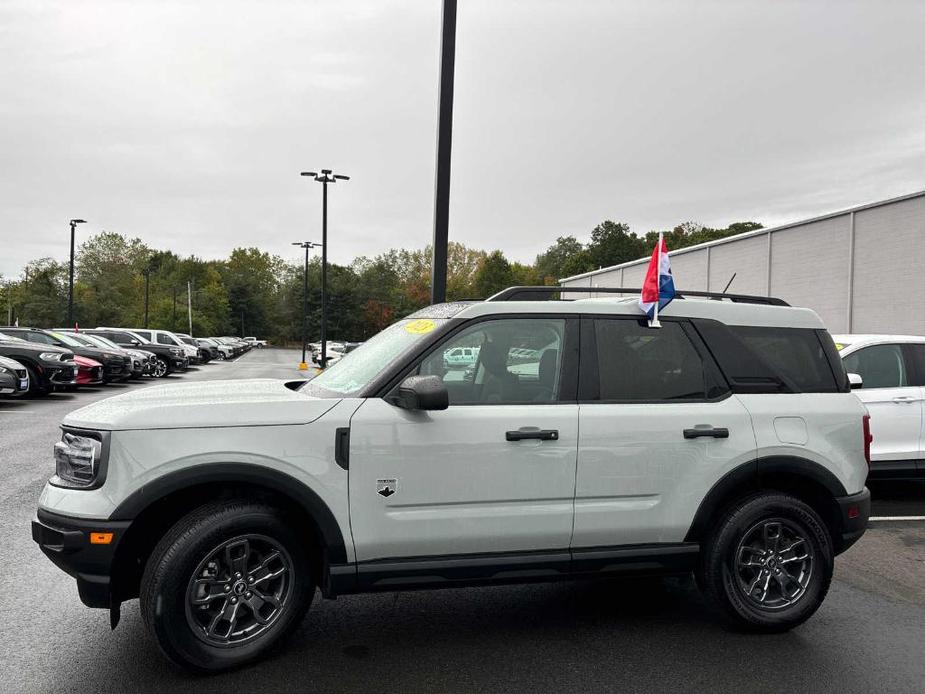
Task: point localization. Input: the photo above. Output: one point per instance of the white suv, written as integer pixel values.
(725, 443)
(892, 386)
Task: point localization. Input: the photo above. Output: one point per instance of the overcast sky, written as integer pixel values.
(186, 123)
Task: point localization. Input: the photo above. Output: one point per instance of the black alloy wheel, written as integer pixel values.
(238, 590)
(774, 563)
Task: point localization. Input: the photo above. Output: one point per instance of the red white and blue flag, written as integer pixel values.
(658, 287)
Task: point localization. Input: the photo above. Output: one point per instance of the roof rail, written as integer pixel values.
(548, 293)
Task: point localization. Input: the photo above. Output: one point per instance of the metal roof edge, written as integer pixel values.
(749, 234)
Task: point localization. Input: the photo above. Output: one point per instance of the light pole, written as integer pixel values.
(326, 176)
(307, 245)
(444, 145)
(70, 290)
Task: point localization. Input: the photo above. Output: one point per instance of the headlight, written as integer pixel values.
(3, 369)
(77, 461)
(52, 356)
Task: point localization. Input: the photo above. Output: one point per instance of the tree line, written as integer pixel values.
(256, 293)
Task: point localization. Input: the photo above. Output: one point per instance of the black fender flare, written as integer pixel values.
(216, 473)
(751, 474)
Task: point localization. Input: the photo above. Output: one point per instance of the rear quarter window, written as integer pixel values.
(772, 359)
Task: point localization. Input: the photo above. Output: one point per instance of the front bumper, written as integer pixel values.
(855, 512)
(61, 375)
(67, 542)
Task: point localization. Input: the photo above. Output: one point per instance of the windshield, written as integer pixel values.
(9, 338)
(82, 339)
(357, 369)
(100, 341)
(67, 339)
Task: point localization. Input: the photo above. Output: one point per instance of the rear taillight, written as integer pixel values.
(867, 438)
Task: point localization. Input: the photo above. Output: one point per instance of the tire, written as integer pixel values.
(201, 545)
(36, 388)
(161, 368)
(777, 590)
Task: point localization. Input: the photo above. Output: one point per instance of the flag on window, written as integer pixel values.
(658, 287)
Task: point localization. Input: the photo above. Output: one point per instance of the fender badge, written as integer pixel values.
(386, 487)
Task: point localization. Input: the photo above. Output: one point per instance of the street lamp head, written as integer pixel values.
(78, 221)
(326, 176)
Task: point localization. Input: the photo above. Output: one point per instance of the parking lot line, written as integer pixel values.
(896, 518)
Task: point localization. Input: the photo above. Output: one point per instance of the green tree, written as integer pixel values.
(561, 260)
(494, 274)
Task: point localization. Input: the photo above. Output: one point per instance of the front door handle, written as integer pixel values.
(532, 433)
(904, 398)
(713, 432)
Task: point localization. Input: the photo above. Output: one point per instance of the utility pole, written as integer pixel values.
(173, 319)
(70, 290)
(326, 176)
(444, 145)
(147, 274)
(189, 305)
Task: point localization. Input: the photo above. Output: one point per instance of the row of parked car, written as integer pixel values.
(36, 362)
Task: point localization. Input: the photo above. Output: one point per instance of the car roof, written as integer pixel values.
(726, 312)
(874, 338)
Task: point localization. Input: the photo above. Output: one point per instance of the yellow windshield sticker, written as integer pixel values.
(420, 326)
(839, 346)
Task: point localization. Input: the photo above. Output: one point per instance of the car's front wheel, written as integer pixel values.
(160, 367)
(37, 389)
(768, 563)
(224, 585)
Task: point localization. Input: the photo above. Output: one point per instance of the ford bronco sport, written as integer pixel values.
(581, 442)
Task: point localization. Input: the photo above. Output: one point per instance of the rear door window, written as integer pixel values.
(635, 363)
(880, 366)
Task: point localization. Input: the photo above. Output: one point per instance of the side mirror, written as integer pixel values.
(135, 343)
(421, 393)
(855, 381)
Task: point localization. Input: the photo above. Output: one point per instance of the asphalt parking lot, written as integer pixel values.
(626, 635)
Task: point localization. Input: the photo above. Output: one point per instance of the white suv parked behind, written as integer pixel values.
(725, 443)
(892, 371)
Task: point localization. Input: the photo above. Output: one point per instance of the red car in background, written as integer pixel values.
(89, 371)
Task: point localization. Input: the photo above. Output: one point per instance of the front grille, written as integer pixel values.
(64, 375)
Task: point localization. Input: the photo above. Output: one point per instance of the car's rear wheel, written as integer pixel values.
(768, 563)
(160, 367)
(225, 584)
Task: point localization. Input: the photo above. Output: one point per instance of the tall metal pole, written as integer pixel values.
(305, 305)
(444, 144)
(70, 282)
(324, 274)
(189, 305)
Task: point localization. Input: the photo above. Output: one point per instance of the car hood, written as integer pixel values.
(258, 402)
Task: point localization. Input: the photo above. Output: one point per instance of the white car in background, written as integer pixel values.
(892, 371)
(254, 342)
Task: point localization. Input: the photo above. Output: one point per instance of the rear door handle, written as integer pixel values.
(713, 432)
(904, 398)
(532, 433)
